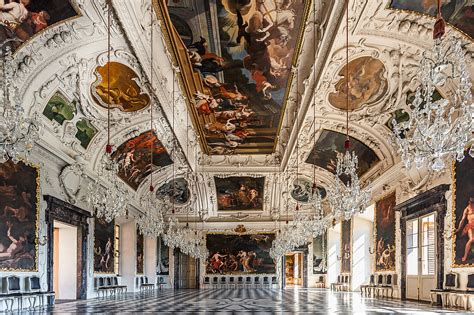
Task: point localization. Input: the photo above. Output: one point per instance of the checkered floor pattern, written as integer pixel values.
(238, 301)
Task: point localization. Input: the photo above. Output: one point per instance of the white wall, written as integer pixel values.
(361, 258)
(150, 259)
(128, 253)
(67, 269)
(334, 250)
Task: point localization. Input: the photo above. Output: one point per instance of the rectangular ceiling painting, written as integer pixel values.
(134, 158)
(239, 193)
(235, 58)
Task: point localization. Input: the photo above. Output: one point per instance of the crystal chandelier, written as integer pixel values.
(18, 133)
(438, 128)
(190, 242)
(347, 198)
(112, 201)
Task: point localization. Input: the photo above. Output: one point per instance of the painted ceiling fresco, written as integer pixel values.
(21, 20)
(125, 94)
(367, 84)
(133, 157)
(330, 143)
(303, 189)
(459, 13)
(235, 58)
(239, 193)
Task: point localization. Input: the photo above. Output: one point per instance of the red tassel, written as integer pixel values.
(439, 28)
(152, 188)
(347, 144)
(108, 148)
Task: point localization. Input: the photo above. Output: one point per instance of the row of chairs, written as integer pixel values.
(343, 283)
(321, 282)
(142, 283)
(12, 292)
(240, 282)
(379, 285)
(452, 293)
(109, 286)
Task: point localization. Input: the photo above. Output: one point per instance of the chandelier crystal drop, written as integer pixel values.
(18, 133)
(111, 199)
(190, 242)
(349, 198)
(438, 129)
(151, 223)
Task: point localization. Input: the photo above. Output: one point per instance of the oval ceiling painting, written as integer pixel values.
(176, 190)
(125, 94)
(22, 20)
(367, 84)
(302, 190)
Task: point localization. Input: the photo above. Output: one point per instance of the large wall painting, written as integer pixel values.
(459, 13)
(19, 211)
(163, 258)
(330, 143)
(463, 212)
(346, 246)
(320, 254)
(104, 246)
(21, 20)
(140, 253)
(385, 233)
(133, 157)
(236, 59)
(367, 82)
(125, 94)
(240, 254)
(239, 193)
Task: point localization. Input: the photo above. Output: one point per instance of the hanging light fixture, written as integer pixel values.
(438, 128)
(110, 202)
(18, 133)
(347, 198)
(151, 223)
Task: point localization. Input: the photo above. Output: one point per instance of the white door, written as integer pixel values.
(420, 257)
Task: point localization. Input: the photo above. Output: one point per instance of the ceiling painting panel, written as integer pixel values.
(235, 59)
(239, 193)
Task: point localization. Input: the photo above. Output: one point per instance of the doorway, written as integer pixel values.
(294, 269)
(65, 261)
(186, 271)
(420, 257)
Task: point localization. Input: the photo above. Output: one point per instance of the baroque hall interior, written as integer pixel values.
(236, 156)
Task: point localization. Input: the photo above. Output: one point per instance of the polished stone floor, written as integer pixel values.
(238, 301)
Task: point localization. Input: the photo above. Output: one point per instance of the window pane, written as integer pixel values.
(412, 261)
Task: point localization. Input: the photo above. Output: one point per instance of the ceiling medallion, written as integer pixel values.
(438, 129)
(18, 133)
(346, 196)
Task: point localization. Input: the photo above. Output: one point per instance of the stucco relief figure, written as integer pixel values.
(125, 94)
(367, 84)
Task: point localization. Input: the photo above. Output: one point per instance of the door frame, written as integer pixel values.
(430, 201)
(305, 251)
(64, 212)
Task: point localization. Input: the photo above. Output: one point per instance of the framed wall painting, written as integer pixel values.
(104, 246)
(162, 259)
(140, 253)
(320, 254)
(19, 216)
(385, 233)
(463, 212)
(239, 254)
(346, 246)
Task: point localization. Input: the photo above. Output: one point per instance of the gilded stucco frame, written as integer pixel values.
(393, 192)
(183, 63)
(37, 168)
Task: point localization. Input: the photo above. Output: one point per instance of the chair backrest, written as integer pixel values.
(109, 281)
(248, 279)
(450, 280)
(240, 279)
(266, 279)
(206, 280)
(379, 279)
(34, 284)
(321, 279)
(388, 280)
(372, 279)
(146, 279)
(214, 279)
(223, 280)
(274, 280)
(13, 284)
(142, 280)
(346, 279)
(256, 280)
(115, 281)
(231, 279)
(338, 278)
(101, 282)
(470, 282)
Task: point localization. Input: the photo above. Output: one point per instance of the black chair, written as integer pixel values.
(334, 285)
(248, 282)
(256, 282)
(388, 286)
(464, 295)
(266, 282)
(231, 282)
(12, 292)
(223, 281)
(366, 289)
(274, 281)
(206, 282)
(449, 285)
(215, 282)
(240, 282)
(120, 288)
